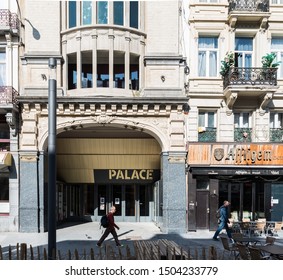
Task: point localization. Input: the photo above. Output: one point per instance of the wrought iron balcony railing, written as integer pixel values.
(242, 134)
(250, 76)
(8, 95)
(248, 6)
(276, 135)
(9, 20)
(207, 134)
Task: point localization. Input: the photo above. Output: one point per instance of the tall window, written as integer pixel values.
(134, 14)
(277, 47)
(72, 14)
(102, 12)
(102, 79)
(72, 70)
(118, 12)
(207, 56)
(86, 12)
(2, 68)
(86, 69)
(243, 52)
(119, 69)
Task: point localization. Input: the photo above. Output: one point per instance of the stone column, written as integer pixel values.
(29, 218)
(173, 179)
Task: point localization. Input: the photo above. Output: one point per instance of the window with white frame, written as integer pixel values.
(276, 120)
(277, 2)
(207, 56)
(242, 120)
(277, 47)
(206, 119)
(2, 67)
(243, 51)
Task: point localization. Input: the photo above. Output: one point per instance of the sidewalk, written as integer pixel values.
(84, 236)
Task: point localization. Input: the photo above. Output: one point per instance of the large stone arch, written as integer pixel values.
(152, 127)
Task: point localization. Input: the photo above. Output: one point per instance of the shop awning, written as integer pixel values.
(5, 159)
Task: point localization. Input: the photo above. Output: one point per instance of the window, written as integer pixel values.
(2, 68)
(242, 130)
(276, 120)
(206, 119)
(134, 71)
(242, 120)
(87, 69)
(118, 12)
(102, 68)
(206, 127)
(72, 14)
(277, 47)
(119, 69)
(72, 71)
(276, 1)
(86, 12)
(102, 12)
(207, 56)
(243, 52)
(4, 190)
(134, 14)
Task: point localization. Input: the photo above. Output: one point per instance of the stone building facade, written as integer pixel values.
(120, 118)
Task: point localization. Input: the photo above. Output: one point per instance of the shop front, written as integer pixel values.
(250, 176)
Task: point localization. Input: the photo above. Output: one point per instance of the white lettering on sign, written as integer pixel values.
(125, 174)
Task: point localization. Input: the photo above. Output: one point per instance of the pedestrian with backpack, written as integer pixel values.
(110, 229)
(223, 220)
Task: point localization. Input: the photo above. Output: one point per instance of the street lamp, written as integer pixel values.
(52, 105)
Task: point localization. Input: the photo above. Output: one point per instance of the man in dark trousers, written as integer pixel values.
(110, 229)
(223, 221)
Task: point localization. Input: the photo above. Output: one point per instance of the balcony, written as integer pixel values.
(207, 134)
(250, 77)
(276, 135)
(252, 11)
(8, 96)
(242, 135)
(254, 83)
(248, 6)
(9, 21)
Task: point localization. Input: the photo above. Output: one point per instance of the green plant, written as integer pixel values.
(228, 62)
(268, 61)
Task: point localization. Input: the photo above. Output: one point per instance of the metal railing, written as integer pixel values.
(8, 95)
(9, 20)
(243, 135)
(207, 134)
(276, 135)
(250, 76)
(248, 5)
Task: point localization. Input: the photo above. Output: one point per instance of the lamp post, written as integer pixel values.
(52, 104)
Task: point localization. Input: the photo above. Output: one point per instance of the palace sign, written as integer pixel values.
(126, 175)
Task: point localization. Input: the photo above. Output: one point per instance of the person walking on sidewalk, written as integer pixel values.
(223, 221)
(110, 229)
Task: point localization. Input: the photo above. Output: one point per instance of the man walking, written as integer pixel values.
(223, 221)
(110, 229)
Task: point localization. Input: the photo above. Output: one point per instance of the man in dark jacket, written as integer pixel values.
(223, 220)
(110, 229)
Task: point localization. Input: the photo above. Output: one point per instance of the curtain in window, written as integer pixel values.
(202, 64)
(207, 56)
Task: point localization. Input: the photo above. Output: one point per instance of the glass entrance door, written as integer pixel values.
(133, 202)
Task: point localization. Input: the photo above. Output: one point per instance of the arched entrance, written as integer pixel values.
(101, 166)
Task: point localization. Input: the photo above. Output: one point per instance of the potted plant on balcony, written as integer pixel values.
(227, 63)
(269, 66)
